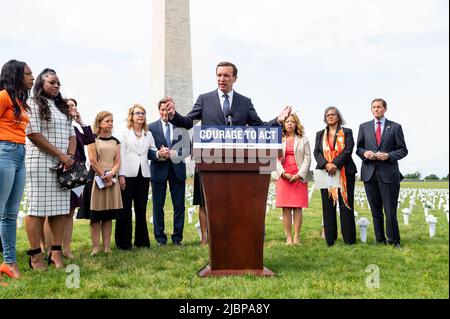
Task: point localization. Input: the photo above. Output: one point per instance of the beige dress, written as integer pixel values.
(109, 198)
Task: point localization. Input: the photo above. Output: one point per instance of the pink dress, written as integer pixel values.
(291, 195)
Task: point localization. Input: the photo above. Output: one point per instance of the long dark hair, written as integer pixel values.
(11, 80)
(41, 99)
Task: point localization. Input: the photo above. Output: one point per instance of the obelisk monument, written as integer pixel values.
(171, 67)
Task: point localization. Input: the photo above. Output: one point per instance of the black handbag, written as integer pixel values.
(77, 176)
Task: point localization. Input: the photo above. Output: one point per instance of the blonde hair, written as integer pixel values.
(130, 121)
(98, 119)
(299, 129)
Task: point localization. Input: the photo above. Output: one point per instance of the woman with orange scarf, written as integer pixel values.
(333, 152)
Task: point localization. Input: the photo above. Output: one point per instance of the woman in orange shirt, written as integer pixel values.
(16, 79)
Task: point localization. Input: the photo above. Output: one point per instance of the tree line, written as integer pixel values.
(418, 176)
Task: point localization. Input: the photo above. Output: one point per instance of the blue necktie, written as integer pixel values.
(226, 106)
(168, 140)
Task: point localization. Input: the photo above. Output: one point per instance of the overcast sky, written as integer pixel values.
(309, 54)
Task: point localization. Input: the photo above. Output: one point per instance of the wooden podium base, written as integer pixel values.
(207, 272)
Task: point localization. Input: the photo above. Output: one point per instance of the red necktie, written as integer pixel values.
(378, 133)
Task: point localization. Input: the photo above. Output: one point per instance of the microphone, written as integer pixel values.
(229, 119)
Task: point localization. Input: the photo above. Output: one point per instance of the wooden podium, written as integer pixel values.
(235, 193)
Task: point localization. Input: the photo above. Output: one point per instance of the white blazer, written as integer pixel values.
(302, 154)
(134, 153)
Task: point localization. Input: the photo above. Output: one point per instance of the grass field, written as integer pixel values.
(311, 270)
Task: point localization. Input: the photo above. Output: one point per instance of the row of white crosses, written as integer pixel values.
(190, 194)
(430, 198)
(427, 197)
(360, 197)
(271, 198)
(150, 199)
(191, 209)
(22, 211)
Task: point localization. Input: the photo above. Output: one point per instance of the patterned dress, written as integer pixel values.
(43, 190)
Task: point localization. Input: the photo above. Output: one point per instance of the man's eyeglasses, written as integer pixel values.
(139, 113)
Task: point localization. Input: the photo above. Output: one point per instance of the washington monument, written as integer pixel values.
(171, 65)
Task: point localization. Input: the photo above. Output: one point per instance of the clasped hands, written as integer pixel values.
(165, 153)
(379, 156)
(331, 169)
(107, 178)
(291, 178)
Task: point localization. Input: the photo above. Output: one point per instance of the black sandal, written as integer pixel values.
(54, 248)
(31, 253)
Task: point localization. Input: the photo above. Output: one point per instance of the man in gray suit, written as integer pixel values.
(221, 107)
(380, 145)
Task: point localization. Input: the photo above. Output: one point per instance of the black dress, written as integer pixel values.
(82, 139)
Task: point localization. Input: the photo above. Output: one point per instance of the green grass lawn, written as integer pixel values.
(311, 270)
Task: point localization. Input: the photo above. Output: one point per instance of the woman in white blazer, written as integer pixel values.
(291, 173)
(134, 179)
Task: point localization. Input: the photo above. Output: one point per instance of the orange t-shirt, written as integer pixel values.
(11, 130)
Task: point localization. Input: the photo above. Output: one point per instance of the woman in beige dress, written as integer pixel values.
(105, 200)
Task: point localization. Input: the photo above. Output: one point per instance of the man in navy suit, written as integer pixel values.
(221, 107)
(380, 145)
(167, 166)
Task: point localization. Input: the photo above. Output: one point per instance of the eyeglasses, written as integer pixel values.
(331, 114)
(139, 113)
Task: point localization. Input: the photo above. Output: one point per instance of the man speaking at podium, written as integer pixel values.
(221, 107)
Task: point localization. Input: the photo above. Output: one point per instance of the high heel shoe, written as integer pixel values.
(31, 253)
(11, 270)
(54, 248)
(4, 269)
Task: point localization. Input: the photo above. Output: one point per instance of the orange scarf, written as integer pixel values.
(330, 155)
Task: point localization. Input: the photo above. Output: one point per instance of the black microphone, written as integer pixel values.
(229, 119)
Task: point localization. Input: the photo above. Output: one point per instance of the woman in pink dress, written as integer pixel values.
(291, 173)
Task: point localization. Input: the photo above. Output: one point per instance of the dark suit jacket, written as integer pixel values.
(209, 111)
(344, 159)
(159, 170)
(392, 142)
